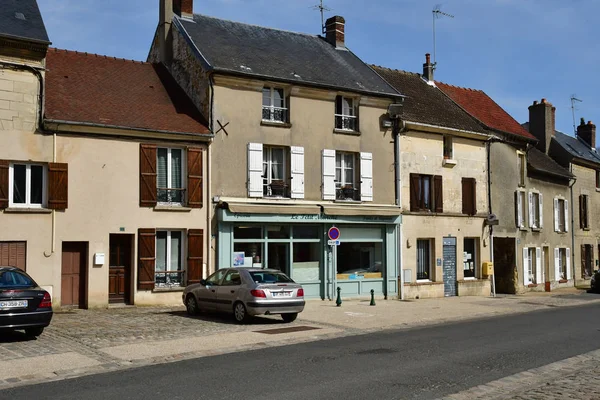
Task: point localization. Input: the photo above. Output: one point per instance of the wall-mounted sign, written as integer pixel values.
(333, 233)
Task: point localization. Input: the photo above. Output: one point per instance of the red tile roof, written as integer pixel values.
(482, 107)
(90, 88)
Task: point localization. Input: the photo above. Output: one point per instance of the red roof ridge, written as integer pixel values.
(461, 87)
(396, 70)
(57, 50)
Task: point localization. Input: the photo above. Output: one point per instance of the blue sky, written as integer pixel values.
(516, 51)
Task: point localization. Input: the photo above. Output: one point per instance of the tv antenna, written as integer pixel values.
(573, 100)
(437, 13)
(322, 8)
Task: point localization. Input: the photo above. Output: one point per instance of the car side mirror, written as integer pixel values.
(203, 282)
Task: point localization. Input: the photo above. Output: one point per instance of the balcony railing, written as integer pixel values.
(347, 193)
(274, 114)
(346, 122)
(169, 279)
(276, 189)
(170, 195)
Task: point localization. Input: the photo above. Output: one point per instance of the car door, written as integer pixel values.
(228, 290)
(206, 294)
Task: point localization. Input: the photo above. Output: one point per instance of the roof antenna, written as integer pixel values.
(573, 100)
(321, 7)
(437, 13)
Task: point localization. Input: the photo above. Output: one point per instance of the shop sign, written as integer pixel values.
(227, 215)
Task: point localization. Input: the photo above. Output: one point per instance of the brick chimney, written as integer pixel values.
(428, 68)
(587, 133)
(334, 31)
(184, 8)
(542, 123)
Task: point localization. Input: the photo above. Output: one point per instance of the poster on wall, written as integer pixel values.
(238, 258)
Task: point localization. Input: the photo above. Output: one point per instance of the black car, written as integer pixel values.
(23, 304)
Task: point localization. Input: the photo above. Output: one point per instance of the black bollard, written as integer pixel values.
(338, 301)
(372, 297)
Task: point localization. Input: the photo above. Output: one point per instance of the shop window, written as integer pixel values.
(169, 259)
(470, 261)
(278, 231)
(306, 261)
(247, 232)
(247, 255)
(424, 257)
(306, 232)
(278, 256)
(362, 260)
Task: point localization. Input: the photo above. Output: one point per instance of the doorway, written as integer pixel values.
(587, 255)
(278, 255)
(449, 266)
(73, 274)
(119, 269)
(546, 270)
(505, 265)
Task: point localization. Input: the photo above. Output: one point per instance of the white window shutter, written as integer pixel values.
(519, 208)
(297, 172)
(556, 264)
(566, 216)
(366, 176)
(568, 266)
(328, 174)
(538, 265)
(556, 215)
(525, 266)
(530, 202)
(255, 166)
(541, 210)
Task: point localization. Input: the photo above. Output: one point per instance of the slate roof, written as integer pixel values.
(427, 104)
(266, 53)
(89, 88)
(576, 148)
(481, 106)
(21, 19)
(540, 161)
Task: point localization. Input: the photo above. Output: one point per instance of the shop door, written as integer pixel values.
(449, 266)
(74, 268)
(119, 269)
(586, 260)
(278, 256)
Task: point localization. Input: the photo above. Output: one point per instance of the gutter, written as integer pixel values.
(441, 129)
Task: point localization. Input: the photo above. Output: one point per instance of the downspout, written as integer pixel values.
(53, 211)
(488, 144)
(211, 208)
(398, 126)
(572, 225)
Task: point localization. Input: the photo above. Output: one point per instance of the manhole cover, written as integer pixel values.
(287, 330)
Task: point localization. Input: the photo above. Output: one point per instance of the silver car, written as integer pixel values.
(246, 292)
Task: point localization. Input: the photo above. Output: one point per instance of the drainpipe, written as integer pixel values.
(398, 127)
(488, 145)
(53, 211)
(572, 226)
(211, 210)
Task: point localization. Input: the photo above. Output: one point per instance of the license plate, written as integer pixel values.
(282, 294)
(8, 304)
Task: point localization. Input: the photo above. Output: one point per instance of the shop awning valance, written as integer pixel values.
(352, 210)
(273, 209)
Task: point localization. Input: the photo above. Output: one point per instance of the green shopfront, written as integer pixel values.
(366, 256)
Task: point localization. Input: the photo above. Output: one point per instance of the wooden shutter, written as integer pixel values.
(581, 222)
(147, 175)
(556, 215)
(58, 186)
(4, 183)
(468, 196)
(366, 176)
(566, 215)
(287, 111)
(195, 259)
(584, 257)
(530, 208)
(255, 170)
(146, 258)
(568, 266)
(525, 266)
(328, 174)
(195, 178)
(438, 193)
(414, 192)
(541, 210)
(13, 254)
(538, 265)
(297, 172)
(556, 264)
(517, 209)
(473, 196)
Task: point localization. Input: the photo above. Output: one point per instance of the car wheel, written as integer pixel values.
(240, 313)
(291, 317)
(191, 305)
(34, 332)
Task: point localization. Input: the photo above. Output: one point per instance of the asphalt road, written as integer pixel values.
(408, 364)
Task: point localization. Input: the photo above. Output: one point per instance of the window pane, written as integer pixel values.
(37, 184)
(469, 261)
(161, 251)
(423, 259)
(161, 168)
(306, 232)
(175, 251)
(247, 232)
(278, 97)
(347, 106)
(247, 254)
(277, 163)
(305, 267)
(266, 97)
(426, 192)
(338, 105)
(19, 184)
(176, 160)
(278, 231)
(356, 260)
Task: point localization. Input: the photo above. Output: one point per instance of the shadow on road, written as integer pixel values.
(226, 318)
(9, 336)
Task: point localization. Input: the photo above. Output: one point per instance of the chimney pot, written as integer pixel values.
(543, 100)
(535, 102)
(184, 8)
(335, 31)
(590, 123)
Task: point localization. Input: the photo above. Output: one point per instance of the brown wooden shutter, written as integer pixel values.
(13, 254)
(287, 112)
(195, 182)
(58, 186)
(583, 258)
(473, 196)
(147, 175)
(414, 192)
(3, 183)
(466, 196)
(146, 258)
(195, 255)
(438, 193)
(581, 225)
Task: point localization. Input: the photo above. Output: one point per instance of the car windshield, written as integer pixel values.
(10, 279)
(270, 277)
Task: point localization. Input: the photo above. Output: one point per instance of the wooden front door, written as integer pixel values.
(119, 271)
(74, 267)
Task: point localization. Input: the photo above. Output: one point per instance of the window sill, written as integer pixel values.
(523, 228)
(469, 278)
(346, 132)
(532, 285)
(348, 201)
(162, 290)
(25, 210)
(423, 283)
(172, 208)
(536, 229)
(449, 163)
(276, 124)
(585, 229)
(563, 281)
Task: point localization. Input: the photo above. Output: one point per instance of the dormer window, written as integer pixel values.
(345, 114)
(274, 105)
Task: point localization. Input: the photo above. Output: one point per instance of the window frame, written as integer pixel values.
(268, 161)
(271, 107)
(344, 183)
(183, 267)
(341, 115)
(184, 174)
(426, 264)
(474, 259)
(448, 147)
(562, 215)
(11, 182)
(584, 212)
(523, 203)
(522, 160)
(535, 205)
(563, 265)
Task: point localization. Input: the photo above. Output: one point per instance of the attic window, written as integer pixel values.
(20, 16)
